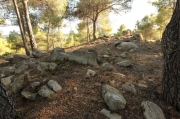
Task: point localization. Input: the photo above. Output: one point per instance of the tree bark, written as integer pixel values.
(48, 44)
(29, 26)
(21, 28)
(87, 25)
(94, 30)
(171, 50)
(6, 104)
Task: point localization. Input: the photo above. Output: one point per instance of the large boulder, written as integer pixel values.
(57, 56)
(18, 58)
(21, 69)
(17, 84)
(113, 98)
(152, 111)
(127, 46)
(6, 81)
(138, 37)
(83, 57)
(7, 71)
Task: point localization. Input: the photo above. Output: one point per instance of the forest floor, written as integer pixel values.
(81, 96)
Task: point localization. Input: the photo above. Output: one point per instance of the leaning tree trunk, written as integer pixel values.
(21, 28)
(29, 26)
(6, 104)
(171, 51)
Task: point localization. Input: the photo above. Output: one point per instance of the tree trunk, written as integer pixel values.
(48, 44)
(171, 51)
(21, 28)
(6, 104)
(87, 25)
(94, 30)
(29, 26)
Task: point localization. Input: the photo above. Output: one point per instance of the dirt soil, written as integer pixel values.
(81, 96)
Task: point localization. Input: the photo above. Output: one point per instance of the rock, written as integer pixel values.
(34, 84)
(7, 71)
(123, 55)
(52, 66)
(109, 115)
(29, 95)
(17, 84)
(83, 57)
(129, 87)
(105, 56)
(54, 85)
(37, 53)
(18, 58)
(152, 111)
(121, 75)
(126, 46)
(95, 53)
(42, 66)
(45, 91)
(127, 33)
(142, 85)
(57, 56)
(107, 66)
(138, 37)
(57, 50)
(125, 63)
(90, 73)
(6, 81)
(21, 69)
(113, 98)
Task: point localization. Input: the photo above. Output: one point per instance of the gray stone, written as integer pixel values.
(107, 66)
(113, 98)
(21, 69)
(54, 85)
(129, 87)
(105, 56)
(52, 66)
(29, 95)
(18, 58)
(7, 71)
(121, 75)
(83, 57)
(109, 115)
(6, 81)
(57, 56)
(142, 85)
(57, 50)
(125, 63)
(34, 84)
(126, 46)
(42, 66)
(37, 53)
(45, 91)
(152, 111)
(18, 84)
(90, 73)
(123, 55)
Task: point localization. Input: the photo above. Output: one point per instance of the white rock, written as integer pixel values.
(121, 75)
(29, 95)
(54, 85)
(126, 46)
(105, 56)
(109, 115)
(113, 98)
(90, 73)
(152, 111)
(45, 91)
